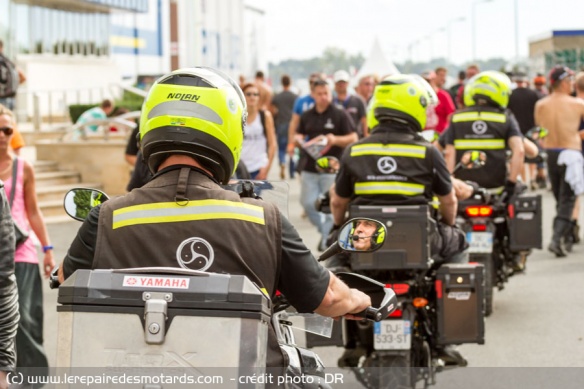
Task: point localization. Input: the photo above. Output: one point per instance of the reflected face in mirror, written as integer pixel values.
(363, 234)
(329, 165)
(430, 135)
(473, 159)
(537, 133)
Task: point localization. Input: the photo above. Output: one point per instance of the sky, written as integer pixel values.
(302, 29)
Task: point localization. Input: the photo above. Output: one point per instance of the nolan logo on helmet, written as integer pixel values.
(183, 96)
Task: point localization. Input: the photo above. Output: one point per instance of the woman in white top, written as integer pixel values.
(259, 142)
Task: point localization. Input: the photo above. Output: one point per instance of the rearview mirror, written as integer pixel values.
(430, 135)
(363, 235)
(79, 201)
(473, 159)
(328, 165)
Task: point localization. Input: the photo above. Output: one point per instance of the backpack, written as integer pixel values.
(8, 78)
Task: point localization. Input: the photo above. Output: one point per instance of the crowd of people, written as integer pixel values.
(335, 118)
(308, 123)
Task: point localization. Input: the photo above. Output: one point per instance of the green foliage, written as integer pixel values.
(129, 96)
(82, 200)
(76, 110)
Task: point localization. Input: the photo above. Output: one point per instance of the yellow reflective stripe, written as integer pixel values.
(496, 191)
(193, 210)
(396, 150)
(435, 203)
(474, 116)
(388, 187)
(481, 144)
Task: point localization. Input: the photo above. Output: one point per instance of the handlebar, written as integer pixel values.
(371, 313)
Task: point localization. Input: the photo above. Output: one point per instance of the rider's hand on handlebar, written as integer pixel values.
(462, 190)
(361, 301)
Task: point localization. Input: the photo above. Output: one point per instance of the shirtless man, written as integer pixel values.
(561, 114)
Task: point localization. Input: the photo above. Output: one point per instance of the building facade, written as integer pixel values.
(558, 47)
(80, 51)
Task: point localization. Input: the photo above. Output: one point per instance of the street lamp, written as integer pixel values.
(432, 42)
(516, 33)
(474, 28)
(411, 50)
(452, 21)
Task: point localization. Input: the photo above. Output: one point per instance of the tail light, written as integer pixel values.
(399, 289)
(511, 211)
(479, 211)
(397, 313)
(479, 227)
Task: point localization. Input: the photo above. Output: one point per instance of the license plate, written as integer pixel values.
(480, 242)
(392, 335)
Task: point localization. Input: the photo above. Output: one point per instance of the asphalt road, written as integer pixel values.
(534, 335)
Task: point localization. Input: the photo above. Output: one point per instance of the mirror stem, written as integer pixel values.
(332, 250)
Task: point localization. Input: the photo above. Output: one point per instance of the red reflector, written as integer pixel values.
(479, 211)
(511, 211)
(396, 313)
(399, 289)
(438, 286)
(278, 293)
(479, 227)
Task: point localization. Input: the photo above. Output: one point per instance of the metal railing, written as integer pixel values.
(51, 106)
(79, 131)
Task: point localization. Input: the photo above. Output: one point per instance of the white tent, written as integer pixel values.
(376, 63)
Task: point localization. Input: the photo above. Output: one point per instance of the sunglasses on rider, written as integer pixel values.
(7, 130)
(250, 94)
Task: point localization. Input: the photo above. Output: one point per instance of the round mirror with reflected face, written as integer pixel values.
(537, 133)
(364, 235)
(473, 159)
(328, 165)
(78, 202)
(430, 135)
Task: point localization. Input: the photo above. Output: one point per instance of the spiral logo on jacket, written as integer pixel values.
(386, 165)
(195, 254)
(479, 127)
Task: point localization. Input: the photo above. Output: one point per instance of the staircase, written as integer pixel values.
(51, 186)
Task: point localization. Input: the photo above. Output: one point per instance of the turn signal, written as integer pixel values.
(420, 302)
(479, 211)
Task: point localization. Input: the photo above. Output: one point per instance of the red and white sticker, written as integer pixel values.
(156, 282)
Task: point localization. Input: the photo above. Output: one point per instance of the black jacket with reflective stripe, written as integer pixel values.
(216, 229)
(391, 166)
(486, 129)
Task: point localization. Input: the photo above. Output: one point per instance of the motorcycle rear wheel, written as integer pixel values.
(387, 372)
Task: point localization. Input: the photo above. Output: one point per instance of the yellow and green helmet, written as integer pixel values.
(199, 112)
(401, 97)
(493, 87)
(376, 239)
